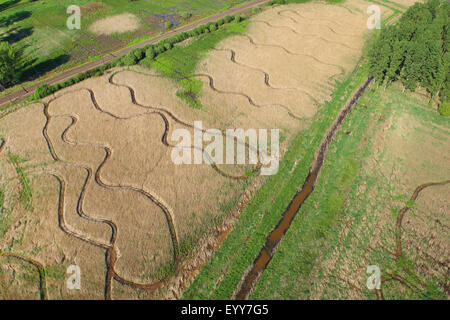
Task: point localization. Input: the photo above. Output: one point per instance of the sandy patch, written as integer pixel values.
(116, 24)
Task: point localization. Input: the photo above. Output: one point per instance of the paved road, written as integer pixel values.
(91, 65)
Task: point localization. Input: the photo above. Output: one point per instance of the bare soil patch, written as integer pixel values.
(115, 24)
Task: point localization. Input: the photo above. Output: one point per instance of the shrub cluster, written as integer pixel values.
(444, 109)
(186, 15)
(45, 89)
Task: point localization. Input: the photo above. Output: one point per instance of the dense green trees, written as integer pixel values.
(11, 63)
(416, 50)
(43, 91)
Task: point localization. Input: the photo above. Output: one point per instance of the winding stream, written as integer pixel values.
(245, 287)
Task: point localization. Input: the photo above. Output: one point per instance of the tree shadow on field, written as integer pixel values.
(32, 72)
(7, 4)
(15, 35)
(13, 18)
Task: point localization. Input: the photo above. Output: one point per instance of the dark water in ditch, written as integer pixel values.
(276, 235)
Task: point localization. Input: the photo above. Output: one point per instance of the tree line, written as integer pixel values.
(11, 63)
(415, 51)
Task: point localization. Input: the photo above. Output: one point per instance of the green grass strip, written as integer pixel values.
(26, 193)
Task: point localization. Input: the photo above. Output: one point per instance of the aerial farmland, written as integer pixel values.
(224, 150)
